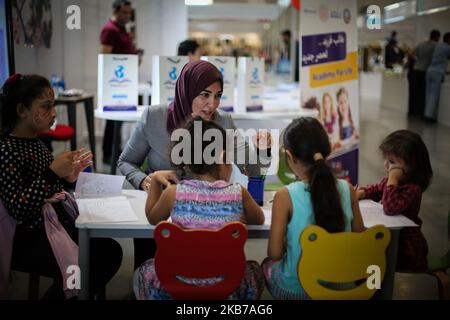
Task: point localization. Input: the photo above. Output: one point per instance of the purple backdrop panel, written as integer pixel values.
(346, 166)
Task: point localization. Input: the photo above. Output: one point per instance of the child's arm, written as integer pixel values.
(82, 160)
(281, 211)
(159, 203)
(398, 198)
(357, 224)
(253, 214)
(373, 191)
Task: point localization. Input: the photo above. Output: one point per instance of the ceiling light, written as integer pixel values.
(198, 2)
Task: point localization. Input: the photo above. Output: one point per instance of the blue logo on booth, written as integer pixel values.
(119, 74)
(255, 77)
(255, 74)
(173, 74)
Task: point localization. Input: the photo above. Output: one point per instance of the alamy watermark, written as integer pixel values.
(240, 147)
(373, 21)
(73, 21)
(73, 281)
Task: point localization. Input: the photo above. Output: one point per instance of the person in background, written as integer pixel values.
(284, 58)
(435, 76)
(190, 48)
(409, 173)
(227, 49)
(393, 36)
(417, 90)
(392, 54)
(114, 39)
(286, 45)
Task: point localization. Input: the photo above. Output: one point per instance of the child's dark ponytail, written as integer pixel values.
(307, 140)
(325, 197)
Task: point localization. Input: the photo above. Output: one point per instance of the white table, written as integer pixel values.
(272, 113)
(142, 229)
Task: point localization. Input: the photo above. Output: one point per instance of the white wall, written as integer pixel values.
(161, 26)
(42, 60)
(439, 21)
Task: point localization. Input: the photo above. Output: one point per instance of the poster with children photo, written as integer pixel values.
(338, 114)
(328, 116)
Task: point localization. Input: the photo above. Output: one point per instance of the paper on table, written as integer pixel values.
(238, 177)
(92, 185)
(373, 214)
(114, 209)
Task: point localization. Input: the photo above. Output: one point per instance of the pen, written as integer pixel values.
(356, 187)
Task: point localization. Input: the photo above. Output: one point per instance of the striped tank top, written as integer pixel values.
(207, 205)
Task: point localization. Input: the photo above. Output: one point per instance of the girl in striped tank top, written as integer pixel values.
(204, 200)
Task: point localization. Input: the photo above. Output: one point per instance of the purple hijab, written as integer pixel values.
(195, 77)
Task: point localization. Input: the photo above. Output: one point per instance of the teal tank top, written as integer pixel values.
(302, 217)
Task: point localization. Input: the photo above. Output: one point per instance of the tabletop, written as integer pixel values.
(372, 214)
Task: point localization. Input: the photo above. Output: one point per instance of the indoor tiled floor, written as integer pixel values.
(376, 122)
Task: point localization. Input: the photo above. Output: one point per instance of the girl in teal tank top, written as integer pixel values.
(319, 199)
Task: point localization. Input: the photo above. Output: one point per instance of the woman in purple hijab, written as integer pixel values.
(192, 97)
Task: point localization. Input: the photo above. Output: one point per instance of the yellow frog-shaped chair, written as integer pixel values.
(337, 266)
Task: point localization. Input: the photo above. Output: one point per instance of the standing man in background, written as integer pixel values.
(115, 39)
(190, 48)
(435, 76)
(423, 54)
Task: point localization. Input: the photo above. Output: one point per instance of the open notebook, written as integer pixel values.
(373, 214)
(99, 198)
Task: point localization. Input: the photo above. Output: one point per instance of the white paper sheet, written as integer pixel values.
(238, 177)
(373, 214)
(92, 185)
(113, 209)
